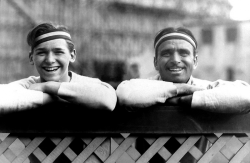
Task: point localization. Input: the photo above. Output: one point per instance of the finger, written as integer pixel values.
(184, 89)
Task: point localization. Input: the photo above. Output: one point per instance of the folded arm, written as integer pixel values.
(15, 98)
(144, 92)
(224, 97)
(91, 94)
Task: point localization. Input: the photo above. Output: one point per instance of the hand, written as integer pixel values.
(47, 98)
(186, 89)
(37, 87)
(180, 100)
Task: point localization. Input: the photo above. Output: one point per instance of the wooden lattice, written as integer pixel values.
(125, 148)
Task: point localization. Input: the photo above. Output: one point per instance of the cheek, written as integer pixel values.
(189, 61)
(163, 60)
(37, 60)
(64, 61)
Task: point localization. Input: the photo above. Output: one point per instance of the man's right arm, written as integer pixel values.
(15, 98)
(184, 95)
(144, 92)
(224, 97)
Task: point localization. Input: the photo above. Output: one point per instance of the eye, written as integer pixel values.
(184, 52)
(166, 53)
(59, 52)
(40, 53)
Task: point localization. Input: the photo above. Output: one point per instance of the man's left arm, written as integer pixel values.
(223, 97)
(91, 94)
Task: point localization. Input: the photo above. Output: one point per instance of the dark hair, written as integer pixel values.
(182, 30)
(45, 28)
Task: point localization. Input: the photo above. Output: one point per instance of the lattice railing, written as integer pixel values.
(125, 148)
(156, 135)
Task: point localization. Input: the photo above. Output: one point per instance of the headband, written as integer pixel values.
(176, 36)
(51, 36)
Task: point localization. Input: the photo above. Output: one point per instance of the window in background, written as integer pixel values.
(231, 34)
(207, 36)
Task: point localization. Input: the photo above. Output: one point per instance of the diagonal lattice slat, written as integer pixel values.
(195, 152)
(242, 153)
(6, 143)
(214, 149)
(186, 146)
(232, 146)
(29, 149)
(58, 150)
(121, 149)
(103, 151)
(154, 148)
(89, 150)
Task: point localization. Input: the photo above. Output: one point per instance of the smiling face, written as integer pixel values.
(175, 60)
(51, 59)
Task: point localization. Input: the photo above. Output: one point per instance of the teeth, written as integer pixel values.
(175, 69)
(51, 68)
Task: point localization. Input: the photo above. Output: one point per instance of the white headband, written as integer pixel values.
(53, 34)
(177, 35)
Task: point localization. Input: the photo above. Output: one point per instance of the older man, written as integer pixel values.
(175, 60)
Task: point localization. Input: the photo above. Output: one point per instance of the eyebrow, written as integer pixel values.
(167, 50)
(44, 49)
(58, 49)
(40, 49)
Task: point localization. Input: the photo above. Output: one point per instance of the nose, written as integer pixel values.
(175, 57)
(50, 58)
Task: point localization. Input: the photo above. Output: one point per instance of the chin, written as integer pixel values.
(50, 79)
(176, 80)
(181, 80)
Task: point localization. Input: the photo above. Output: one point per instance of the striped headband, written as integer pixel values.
(51, 36)
(176, 35)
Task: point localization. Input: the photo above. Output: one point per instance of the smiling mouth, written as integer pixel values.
(51, 69)
(175, 69)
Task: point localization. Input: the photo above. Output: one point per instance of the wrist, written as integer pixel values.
(51, 87)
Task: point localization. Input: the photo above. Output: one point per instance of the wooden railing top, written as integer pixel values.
(153, 120)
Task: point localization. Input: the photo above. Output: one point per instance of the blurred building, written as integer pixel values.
(224, 50)
(115, 37)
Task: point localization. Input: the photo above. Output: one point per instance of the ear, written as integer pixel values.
(155, 63)
(73, 56)
(195, 61)
(31, 58)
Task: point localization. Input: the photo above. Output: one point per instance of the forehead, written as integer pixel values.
(175, 43)
(56, 43)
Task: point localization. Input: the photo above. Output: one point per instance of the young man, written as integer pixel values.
(52, 50)
(175, 59)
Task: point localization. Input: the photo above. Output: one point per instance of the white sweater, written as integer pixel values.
(80, 90)
(219, 96)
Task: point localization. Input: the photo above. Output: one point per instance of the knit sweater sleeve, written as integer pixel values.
(144, 92)
(224, 97)
(89, 92)
(15, 98)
